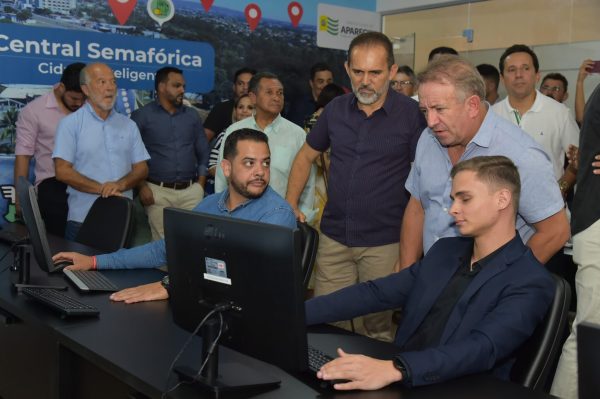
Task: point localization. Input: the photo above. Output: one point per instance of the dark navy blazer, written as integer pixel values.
(498, 311)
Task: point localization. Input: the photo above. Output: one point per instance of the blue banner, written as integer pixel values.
(33, 55)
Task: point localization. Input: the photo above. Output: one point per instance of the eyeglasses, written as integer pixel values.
(551, 88)
(395, 83)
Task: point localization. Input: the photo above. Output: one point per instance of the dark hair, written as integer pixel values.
(518, 48)
(496, 171)
(230, 146)
(328, 93)
(162, 75)
(441, 50)
(240, 71)
(490, 72)
(557, 76)
(253, 84)
(319, 67)
(373, 39)
(456, 71)
(237, 100)
(70, 77)
(405, 69)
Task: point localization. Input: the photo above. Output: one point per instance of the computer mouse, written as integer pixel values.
(63, 263)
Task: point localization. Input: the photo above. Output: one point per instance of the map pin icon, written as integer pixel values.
(207, 4)
(161, 10)
(253, 15)
(122, 9)
(295, 12)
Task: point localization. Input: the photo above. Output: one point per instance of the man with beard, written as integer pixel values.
(36, 130)
(175, 139)
(372, 133)
(246, 166)
(285, 138)
(98, 151)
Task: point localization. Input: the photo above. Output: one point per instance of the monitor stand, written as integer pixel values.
(220, 377)
(23, 264)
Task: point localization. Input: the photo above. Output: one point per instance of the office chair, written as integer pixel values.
(108, 224)
(309, 245)
(536, 359)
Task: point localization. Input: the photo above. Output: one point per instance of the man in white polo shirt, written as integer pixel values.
(544, 119)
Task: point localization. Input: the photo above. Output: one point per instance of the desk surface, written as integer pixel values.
(137, 343)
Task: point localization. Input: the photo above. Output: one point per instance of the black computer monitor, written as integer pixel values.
(35, 225)
(254, 267)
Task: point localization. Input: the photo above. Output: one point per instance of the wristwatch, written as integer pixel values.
(401, 367)
(563, 185)
(165, 282)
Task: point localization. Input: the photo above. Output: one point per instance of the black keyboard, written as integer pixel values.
(90, 280)
(316, 359)
(60, 302)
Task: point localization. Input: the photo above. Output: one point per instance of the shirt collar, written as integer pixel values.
(51, 101)
(88, 107)
(222, 203)
(159, 106)
(484, 135)
(488, 259)
(535, 107)
(273, 124)
(388, 104)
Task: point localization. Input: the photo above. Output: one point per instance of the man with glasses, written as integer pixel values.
(555, 85)
(405, 81)
(545, 120)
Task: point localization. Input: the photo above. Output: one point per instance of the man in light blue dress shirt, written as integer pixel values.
(97, 152)
(461, 125)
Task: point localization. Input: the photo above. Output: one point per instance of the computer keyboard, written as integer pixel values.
(316, 359)
(60, 302)
(89, 280)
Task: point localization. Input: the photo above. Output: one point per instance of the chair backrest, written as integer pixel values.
(310, 244)
(108, 224)
(536, 359)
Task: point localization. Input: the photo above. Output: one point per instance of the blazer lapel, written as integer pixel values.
(512, 251)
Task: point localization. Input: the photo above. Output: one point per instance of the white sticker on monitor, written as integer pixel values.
(216, 270)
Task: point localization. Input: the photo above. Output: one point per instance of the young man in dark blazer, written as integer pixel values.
(467, 305)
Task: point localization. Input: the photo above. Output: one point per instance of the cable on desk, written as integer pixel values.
(185, 345)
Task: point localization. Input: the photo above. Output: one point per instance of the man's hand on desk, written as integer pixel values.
(80, 262)
(141, 293)
(363, 372)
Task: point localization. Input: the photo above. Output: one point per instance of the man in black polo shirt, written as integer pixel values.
(373, 133)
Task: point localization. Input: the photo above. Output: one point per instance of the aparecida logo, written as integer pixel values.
(329, 25)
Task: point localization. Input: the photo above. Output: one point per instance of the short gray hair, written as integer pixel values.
(455, 71)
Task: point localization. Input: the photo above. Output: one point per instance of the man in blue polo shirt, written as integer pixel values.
(461, 126)
(373, 133)
(174, 137)
(246, 165)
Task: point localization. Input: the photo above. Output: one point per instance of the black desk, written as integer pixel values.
(127, 351)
